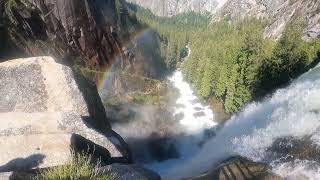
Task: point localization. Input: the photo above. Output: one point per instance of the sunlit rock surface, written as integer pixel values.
(174, 7)
(45, 110)
(278, 12)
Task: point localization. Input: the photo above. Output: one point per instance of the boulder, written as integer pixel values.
(238, 168)
(130, 172)
(46, 109)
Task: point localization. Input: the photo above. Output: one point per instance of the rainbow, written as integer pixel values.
(105, 74)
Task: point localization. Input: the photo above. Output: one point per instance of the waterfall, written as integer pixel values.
(292, 111)
(196, 119)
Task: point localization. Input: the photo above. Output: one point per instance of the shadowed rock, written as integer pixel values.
(30, 162)
(68, 28)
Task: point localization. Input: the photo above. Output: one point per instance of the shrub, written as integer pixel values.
(79, 168)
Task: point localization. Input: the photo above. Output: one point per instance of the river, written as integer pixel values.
(290, 112)
(293, 111)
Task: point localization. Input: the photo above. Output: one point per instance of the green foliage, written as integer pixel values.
(79, 168)
(289, 59)
(174, 32)
(224, 61)
(231, 61)
(8, 5)
(112, 101)
(148, 99)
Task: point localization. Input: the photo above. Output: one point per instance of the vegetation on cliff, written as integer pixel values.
(232, 61)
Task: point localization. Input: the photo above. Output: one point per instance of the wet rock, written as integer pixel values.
(43, 105)
(198, 109)
(179, 116)
(238, 168)
(199, 114)
(196, 101)
(288, 149)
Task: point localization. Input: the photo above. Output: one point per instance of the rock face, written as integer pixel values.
(279, 12)
(174, 7)
(67, 30)
(45, 110)
(238, 168)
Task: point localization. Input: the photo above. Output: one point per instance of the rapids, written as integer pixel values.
(291, 111)
(190, 106)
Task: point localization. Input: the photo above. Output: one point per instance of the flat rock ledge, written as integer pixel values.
(118, 171)
(46, 110)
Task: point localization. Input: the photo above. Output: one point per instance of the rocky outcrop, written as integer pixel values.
(238, 168)
(76, 31)
(46, 109)
(174, 7)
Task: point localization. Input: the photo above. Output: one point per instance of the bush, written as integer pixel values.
(79, 168)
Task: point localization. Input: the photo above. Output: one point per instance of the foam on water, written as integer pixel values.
(193, 126)
(190, 106)
(292, 111)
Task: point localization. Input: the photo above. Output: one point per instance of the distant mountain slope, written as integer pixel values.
(174, 7)
(279, 12)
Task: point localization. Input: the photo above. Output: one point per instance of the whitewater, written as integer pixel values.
(291, 111)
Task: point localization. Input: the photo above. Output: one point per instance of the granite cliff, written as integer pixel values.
(174, 7)
(278, 12)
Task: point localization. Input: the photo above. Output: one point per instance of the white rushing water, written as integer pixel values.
(292, 111)
(189, 105)
(195, 119)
